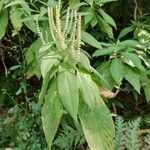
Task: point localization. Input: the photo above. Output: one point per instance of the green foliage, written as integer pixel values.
(87, 38)
(133, 142)
(51, 113)
(69, 137)
(126, 62)
(70, 85)
(117, 70)
(21, 131)
(147, 140)
(120, 130)
(95, 15)
(127, 135)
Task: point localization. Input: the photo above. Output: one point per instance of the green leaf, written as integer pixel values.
(129, 43)
(125, 31)
(90, 2)
(52, 111)
(47, 63)
(133, 78)
(85, 89)
(89, 16)
(117, 70)
(104, 70)
(104, 82)
(26, 8)
(104, 26)
(147, 91)
(52, 2)
(15, 67)
(15, 16)
(30, 53)
(107, 18)
(106, 51)
(30, 23)
(14, 3)
(97, 123)
(89, 39)
(103, 1)
(3, 22)
(84, 61)
(74, 4)
(133, 60)
(94, 22)
(68, 92)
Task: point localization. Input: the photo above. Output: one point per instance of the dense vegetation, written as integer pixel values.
(75, 74)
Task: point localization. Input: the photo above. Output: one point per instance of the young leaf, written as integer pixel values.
(51, 113)
(133, 78)
(68, 92)
(117, 70)
(3, 22)
(89, 39)
(97, 124)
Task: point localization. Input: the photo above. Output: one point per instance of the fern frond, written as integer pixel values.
(69, 138)
(120, 132)
(132, 139)
(147, 140)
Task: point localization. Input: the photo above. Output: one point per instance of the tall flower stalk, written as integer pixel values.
(68, 39)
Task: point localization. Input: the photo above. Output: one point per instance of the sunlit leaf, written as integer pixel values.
(134, 58)
(51, 113)
(68, 92)
(15, 16)
(97, 123)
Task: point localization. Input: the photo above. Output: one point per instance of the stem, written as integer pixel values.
(23, 73)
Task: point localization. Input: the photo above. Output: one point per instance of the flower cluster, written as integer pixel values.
(65, 34)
